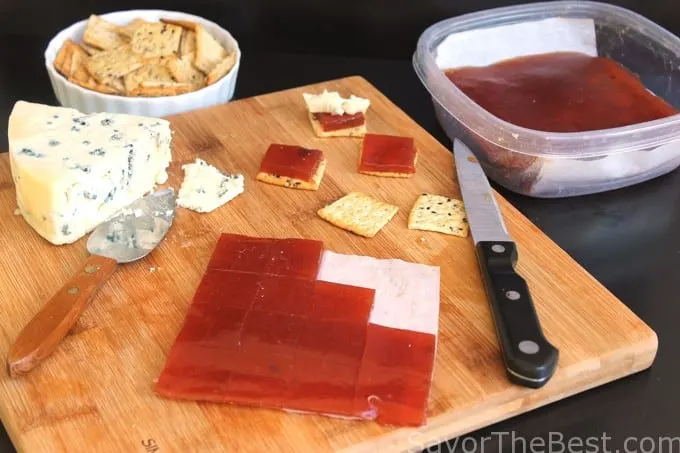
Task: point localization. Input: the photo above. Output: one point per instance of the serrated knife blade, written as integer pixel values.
(530, 359)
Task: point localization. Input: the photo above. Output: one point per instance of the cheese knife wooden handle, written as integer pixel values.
(41, 336)
(530, 360)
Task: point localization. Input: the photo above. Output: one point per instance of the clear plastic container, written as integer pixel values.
(546, 164)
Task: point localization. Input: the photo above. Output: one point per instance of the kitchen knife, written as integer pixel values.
(128, 236)
(529, 359)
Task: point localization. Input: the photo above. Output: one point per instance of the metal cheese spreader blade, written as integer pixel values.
(135, 230)
(484, 217)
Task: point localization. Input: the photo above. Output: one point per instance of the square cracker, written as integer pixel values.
(118, 85)
(77, 72)
(147, 73)
(209, 52)
(183, 70)
(156, 89)
(63, 61)
(129, 29)
(294, 183)
(187, 45)
(182, 23)
(113, 64)
(222, 68)
(90, 49)
(440, 214)
(92, 84)
(359, 214)
(156, 39)
(103, 34)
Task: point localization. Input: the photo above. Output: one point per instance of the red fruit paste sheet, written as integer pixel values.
(331, 122)
(291, 161)
(262, 331)
(388, 154)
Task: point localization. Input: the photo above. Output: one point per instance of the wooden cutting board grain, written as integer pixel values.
(95, 393)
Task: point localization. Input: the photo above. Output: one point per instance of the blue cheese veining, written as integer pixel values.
(205, 188)
(73, 171)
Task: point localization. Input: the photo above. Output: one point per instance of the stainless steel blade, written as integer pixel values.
(484, 217)
(136, 230)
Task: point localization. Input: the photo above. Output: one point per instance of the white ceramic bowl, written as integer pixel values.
(88, 101)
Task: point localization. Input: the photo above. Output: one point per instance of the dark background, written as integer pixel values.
(628, 239)
(377, 29)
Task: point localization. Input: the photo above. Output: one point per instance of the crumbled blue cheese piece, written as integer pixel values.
(73, 171)
(332, 102)
(205, 188)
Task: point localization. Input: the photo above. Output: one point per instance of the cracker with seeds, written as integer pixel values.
(144, 58)
(155, 39)
(129, 29)
(294, 183)
(440, 214)
(359, 214)
(154, 89)
(77, 71)
(162, 60)
(183, 70)
(118, 85)
(91, 50)
(92, 84)
(181, 23)
(64, 58)
(187, 45)
(148, 72)
(209, 52)
(112, 64)
(222, 68)
(103, 34)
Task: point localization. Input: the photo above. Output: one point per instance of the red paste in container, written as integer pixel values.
(561, 92)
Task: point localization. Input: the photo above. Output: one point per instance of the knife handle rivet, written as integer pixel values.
(528, 347)
(512, 295)
(498, 248)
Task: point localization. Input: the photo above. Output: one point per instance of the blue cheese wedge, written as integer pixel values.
(73, 171)
(205, 188)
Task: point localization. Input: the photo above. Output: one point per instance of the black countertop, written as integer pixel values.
(628, 239)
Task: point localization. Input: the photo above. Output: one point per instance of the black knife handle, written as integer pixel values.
(530, 360)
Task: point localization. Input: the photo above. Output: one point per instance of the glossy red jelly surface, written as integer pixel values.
(283, 339)
(287, 257)
(561, 92)
(330, 122)
(396, 375)
(388, 154)
(291, 161)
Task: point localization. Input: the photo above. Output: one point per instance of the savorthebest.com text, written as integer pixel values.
(555, 442)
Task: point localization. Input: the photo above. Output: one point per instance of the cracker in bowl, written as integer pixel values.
(144, 58)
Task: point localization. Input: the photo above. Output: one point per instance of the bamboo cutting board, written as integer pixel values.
(95, 393)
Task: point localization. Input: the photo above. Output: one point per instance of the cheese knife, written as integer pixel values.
(529, 359)
(131, 234)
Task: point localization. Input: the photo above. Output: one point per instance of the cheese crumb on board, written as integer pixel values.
(205, 188)
(332, 102)
(73, 171)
